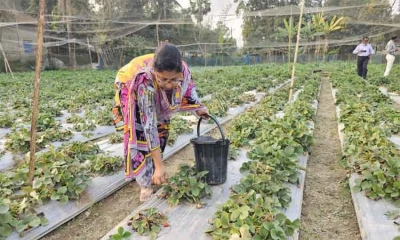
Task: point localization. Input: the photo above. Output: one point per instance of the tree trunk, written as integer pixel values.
(326, 48)
(157, 28)
(121, 58)
(317, 49)
(165, 10)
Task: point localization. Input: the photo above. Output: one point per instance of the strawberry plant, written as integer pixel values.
(19, 139)
(84, 126)
(369, 119)
(301, 109)
(378, 80)
(250, 216)
(105, 165)
(45, 121)
(279, 150)
(217, 108)
(247, 97)
(101, 116)
(6, 220)
(233, 153)
(60, 174)
(253, 209)
(121, 234)
(116, 138)
(265, 185)
(55, 135)
(243, 128)
(177, 127)
(6, 120)
(393, 215)
(75, 119)
(186, 185)
(148, 222)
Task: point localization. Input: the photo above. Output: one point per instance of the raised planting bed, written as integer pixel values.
(283, 198)
(366, 125)
(102, 186)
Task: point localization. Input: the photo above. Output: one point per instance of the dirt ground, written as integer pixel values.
(98, 220)
(327, 211)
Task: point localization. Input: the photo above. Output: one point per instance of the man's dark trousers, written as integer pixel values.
(362, 63)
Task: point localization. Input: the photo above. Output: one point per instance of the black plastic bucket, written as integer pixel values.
(211, 155)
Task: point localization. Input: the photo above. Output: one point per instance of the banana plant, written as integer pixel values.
(289, 31)
(326, 28)
(308, 32)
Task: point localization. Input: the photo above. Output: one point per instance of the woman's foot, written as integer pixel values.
(145, 194)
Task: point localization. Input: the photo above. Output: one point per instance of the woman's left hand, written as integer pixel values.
(203, 113)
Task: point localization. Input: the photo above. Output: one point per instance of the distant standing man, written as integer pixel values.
(390, 51)
(364, 52)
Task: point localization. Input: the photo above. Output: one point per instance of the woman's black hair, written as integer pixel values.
(394, 37)
(167, 58)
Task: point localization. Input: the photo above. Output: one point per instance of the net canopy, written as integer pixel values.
(110, 33)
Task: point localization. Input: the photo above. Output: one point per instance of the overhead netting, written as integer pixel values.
(107, 34)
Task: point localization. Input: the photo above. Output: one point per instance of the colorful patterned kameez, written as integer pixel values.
(147, 110)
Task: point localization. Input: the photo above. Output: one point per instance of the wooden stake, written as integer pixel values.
(18, 38)
(90, 53)
(39, 53)
(205, 55)
(6, 63)
(297, 50)
(71, 52)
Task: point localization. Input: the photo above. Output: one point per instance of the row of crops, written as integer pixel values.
(64, 173)
(391, 82)
(275, 144)
(370, 119)
(256, 206)
(81, 101)
(275, 134)
(370, 131)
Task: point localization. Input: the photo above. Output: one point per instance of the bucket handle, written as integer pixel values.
(215, 120)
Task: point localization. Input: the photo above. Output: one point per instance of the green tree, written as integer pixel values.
(263, 27)
(199, 8)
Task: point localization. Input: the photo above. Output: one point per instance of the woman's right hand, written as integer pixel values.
(160, 176)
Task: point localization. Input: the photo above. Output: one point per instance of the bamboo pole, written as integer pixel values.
(90, 53)
(71, 52)
(6, 63)
(18, 38)
(39, 53)
(205, 56)
(297, 50)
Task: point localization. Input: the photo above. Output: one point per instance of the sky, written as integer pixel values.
(217, 8)
(396, 4)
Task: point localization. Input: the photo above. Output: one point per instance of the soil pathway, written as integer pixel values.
(327, 211)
